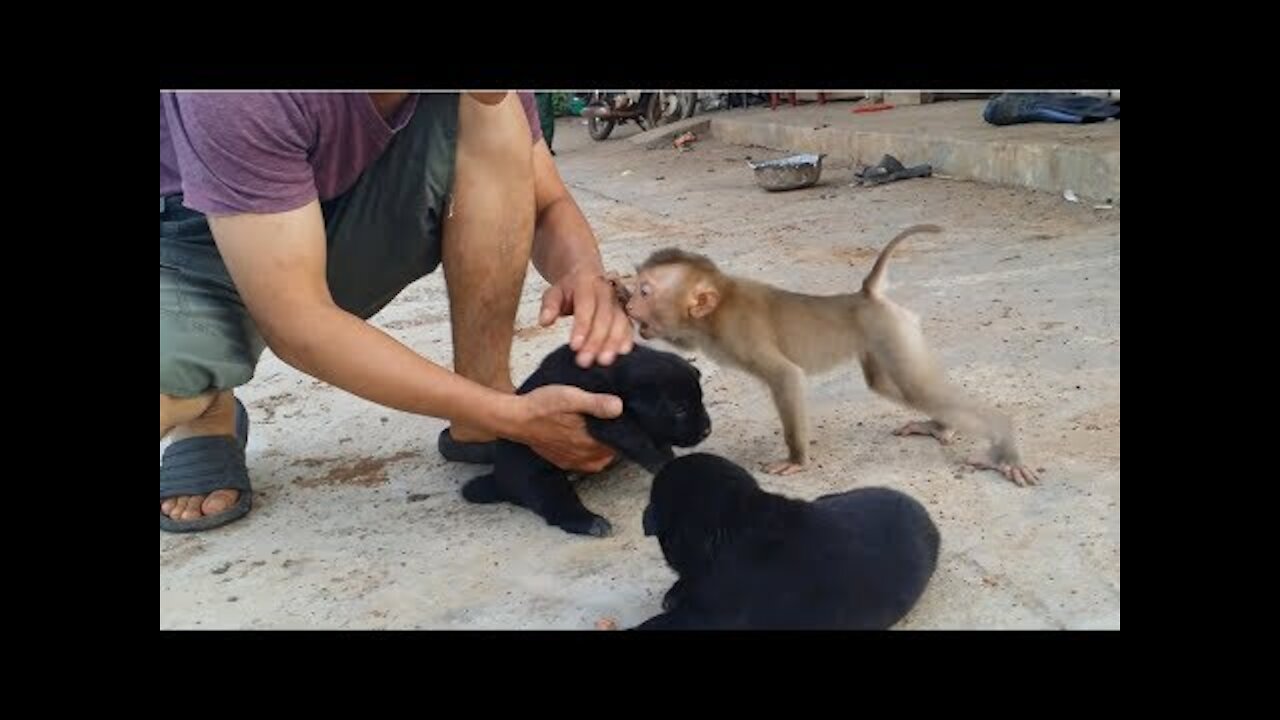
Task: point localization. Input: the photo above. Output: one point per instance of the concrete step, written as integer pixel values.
(951, 136)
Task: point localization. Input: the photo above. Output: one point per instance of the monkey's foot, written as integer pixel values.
(783, 467)
(943, 433)
(1017, 472)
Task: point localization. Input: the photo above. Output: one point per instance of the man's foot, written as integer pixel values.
(467, 448)
(191, 507)
(203, 480)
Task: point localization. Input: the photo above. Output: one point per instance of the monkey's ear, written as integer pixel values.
(703, 301)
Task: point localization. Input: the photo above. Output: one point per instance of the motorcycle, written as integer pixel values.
(605, 111)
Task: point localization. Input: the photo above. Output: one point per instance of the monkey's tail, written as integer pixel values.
(483, 489)
(873, 284)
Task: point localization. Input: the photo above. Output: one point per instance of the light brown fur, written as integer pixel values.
(781, 336)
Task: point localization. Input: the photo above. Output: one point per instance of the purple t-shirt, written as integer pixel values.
(230, 153)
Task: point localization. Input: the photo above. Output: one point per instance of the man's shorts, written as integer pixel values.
(382, 234)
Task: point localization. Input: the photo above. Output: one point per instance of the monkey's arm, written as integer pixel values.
(787, 385)
(626, 436)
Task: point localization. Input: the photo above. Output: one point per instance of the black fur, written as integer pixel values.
(749, 559)
(662, 407)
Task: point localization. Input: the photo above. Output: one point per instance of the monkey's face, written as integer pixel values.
(663, 392)
(657, 301)
(697, 502)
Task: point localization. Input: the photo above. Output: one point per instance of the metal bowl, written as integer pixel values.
(789, 173)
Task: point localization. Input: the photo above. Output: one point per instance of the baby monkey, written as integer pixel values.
(779, 336)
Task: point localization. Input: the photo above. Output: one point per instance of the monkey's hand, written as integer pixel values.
(944, 434)
(783, 467)
(601, 328)
(1011, 467)
(622, 286)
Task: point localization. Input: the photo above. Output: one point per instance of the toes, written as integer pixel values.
(167, 505)
(219, 501)
(191, 507)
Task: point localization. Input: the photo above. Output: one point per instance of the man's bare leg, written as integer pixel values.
(212, 414)
(488, 236)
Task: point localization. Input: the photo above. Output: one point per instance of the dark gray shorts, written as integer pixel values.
(383, 234)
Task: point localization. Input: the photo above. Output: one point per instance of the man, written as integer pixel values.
(287, 219)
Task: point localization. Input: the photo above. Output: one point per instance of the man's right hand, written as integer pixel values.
(551, 424)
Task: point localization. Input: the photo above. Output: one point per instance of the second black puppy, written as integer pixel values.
(662, 407)
(748, 559)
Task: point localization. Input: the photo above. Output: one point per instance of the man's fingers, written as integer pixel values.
(552, 301)
(584, 311)
(601, 323)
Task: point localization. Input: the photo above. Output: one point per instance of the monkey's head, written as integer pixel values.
(697, 502)
(663, 393)
(671, 290)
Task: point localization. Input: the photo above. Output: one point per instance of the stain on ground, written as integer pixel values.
(362, 472)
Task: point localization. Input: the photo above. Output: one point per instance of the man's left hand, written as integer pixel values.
(601, 328)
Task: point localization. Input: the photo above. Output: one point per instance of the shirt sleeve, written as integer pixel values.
(242, 152)
(531, 113)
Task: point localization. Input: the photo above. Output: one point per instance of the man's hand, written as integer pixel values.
(552, 425)
(601, 328)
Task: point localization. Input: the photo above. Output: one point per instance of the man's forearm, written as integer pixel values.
(338, 348)
(563, 241)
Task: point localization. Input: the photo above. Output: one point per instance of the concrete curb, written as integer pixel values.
(658, 137)
(1050, 167)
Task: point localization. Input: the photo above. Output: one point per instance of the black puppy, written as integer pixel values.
(749, 559)
(662, 406)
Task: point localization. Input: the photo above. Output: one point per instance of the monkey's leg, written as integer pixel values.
(786, 383)
(944, 434)
(488, 237)
(882, 383)
(901, 368)
(951, 408)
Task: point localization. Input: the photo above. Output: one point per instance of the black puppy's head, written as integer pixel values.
(697, 502)
(663, 393)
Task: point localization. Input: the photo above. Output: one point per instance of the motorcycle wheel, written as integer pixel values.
(599, 129)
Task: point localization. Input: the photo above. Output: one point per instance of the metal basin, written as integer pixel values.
(789, 173)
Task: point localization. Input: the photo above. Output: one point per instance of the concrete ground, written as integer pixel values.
(358, 522)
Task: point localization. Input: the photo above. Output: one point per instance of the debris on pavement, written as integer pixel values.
(889, 170)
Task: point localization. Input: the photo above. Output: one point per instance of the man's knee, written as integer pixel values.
(495, 133)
